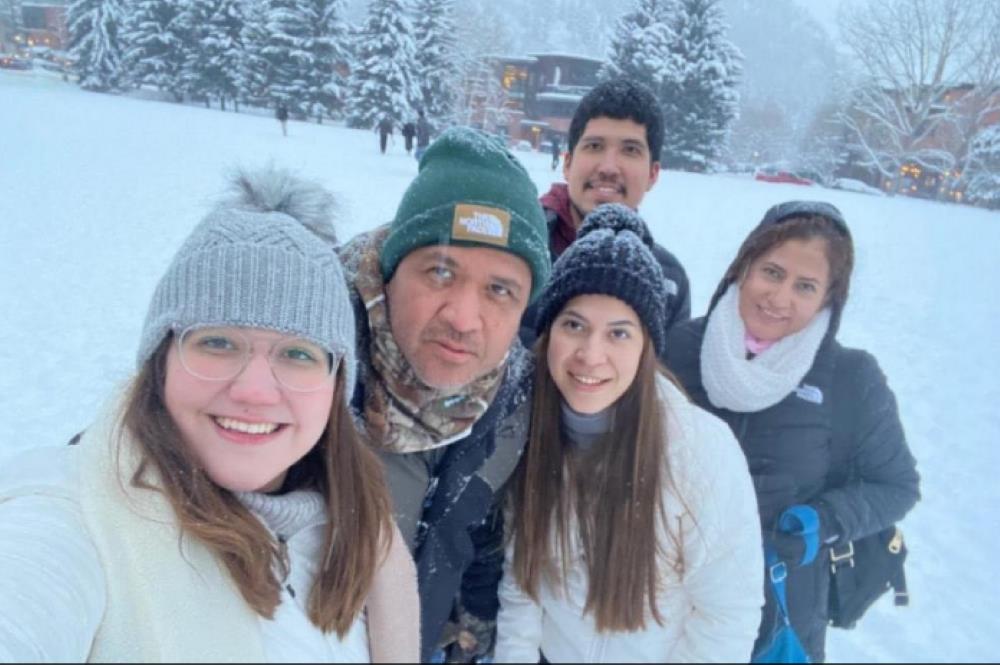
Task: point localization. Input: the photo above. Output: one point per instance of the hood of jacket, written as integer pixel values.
(776, 215)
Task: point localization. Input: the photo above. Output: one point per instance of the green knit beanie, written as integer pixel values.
(471, 191)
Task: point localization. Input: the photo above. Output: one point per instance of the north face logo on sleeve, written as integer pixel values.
(474, 223)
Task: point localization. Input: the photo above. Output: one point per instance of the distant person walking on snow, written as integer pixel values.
(409, 131)
(384, 129)
(281, 113)
(423, 135)
(556, 151)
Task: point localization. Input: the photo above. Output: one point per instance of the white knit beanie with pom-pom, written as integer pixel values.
(264, 258)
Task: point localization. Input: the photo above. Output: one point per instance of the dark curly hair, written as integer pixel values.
(620, 99)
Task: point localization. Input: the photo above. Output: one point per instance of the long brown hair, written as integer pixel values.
(340, 466)
(615, 491)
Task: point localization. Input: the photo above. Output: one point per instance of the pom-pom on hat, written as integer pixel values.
(261, 259)
(611, 256)
(470, 191)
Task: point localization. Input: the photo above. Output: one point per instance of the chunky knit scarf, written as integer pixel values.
(732, 381)
(403, 414)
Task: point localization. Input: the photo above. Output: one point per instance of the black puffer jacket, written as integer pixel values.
(834, 442)
(790, 445)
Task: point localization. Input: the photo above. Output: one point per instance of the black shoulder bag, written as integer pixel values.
(861, 570)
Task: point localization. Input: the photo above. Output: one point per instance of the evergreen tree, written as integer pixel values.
(158, 43)
(287, 63)
(641, 45)
(94, 27)
(701, 101)
(327, 45)
(211, 70)
(984, 173)
(254, 73)
(11, 17)
(382, 81)
(436, 56)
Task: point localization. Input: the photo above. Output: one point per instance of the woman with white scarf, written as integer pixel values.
(764, 359)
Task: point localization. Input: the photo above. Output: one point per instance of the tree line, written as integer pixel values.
(922, 88)
(403, 56)
(302, 54)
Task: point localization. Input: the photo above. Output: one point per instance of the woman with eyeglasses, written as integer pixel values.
(816, 421)
(632, 523)
(223, 508)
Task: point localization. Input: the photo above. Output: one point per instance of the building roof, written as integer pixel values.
(559, 97)
(568, 56)
(513, 59)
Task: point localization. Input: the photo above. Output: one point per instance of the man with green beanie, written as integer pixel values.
(439, 294)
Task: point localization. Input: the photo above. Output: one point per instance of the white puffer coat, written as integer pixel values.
(711, 610)
(93, 570)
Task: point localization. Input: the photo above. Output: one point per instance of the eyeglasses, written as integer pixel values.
(221, 354)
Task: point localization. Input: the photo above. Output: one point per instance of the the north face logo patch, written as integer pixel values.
(474, 223)
(810, 393)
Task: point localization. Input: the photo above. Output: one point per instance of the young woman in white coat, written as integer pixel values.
(222, 508)
(632, 519)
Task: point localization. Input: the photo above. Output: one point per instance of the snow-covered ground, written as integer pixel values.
(98, 191)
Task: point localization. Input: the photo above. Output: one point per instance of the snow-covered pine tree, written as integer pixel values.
(437, 69)
(328, 46)
(94, 27)
(382, 81)
(11, 16)
(254, 72)
(157, 43)
(701, 101)
(211, 70)
(984, 184)
(641, 45)
(287, 63)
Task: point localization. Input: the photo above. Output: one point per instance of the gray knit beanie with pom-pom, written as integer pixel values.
(612, 256)
(263, 258)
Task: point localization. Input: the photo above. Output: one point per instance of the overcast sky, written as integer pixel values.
(825, 12)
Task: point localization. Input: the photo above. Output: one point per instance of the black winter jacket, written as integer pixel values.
(459, 548)
(678, 290)
(789, 447)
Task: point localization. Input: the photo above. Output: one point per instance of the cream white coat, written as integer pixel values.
(94, 570)
(711, 610)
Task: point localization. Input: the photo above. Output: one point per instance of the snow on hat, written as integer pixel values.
(471, 191)
(611, 256)
(263, 259)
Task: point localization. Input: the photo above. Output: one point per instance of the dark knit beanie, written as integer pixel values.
(611, 256)
(471, 191)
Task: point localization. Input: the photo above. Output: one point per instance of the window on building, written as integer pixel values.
(34, 18)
